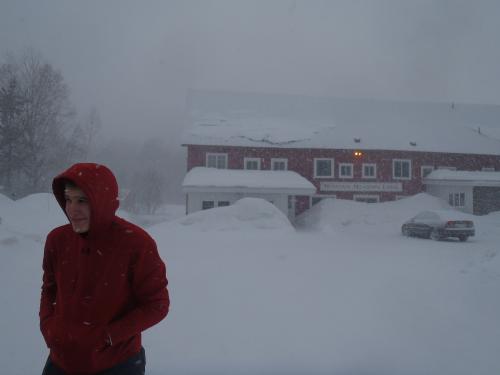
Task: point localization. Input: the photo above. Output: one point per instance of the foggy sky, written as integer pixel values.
(135, 60)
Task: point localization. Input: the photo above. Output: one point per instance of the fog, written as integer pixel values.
(135, 61)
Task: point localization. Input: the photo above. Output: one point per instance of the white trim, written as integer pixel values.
(356, 196)
(332, 167)
(361, 186)
(374, 165)
(488, 169)
(447, 168)
(279, 160)
(346, 165)
(247, 160)
(216, 155)
(451, 182)
(409, 169)
(454, 196)
(245, 189)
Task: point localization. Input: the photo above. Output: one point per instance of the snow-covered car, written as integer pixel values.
(439, 224)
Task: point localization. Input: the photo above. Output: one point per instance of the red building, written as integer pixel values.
(364, 150)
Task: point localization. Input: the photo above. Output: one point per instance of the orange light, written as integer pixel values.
(358, 154)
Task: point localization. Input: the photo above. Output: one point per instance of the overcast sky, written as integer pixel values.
(135, 60)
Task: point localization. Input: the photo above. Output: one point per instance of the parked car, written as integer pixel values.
(439, 224)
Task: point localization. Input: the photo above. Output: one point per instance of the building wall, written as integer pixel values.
(443, 192)
(486, 200)
(302, 162)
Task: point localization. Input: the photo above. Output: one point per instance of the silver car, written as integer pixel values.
(439, 224)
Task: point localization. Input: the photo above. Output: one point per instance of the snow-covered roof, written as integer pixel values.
(286, 121)
(469, 178)
(202, 179)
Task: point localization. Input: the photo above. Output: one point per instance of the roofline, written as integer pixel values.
(246, 189)
(339, 149)
(462, 182)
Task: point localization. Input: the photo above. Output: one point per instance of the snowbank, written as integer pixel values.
(33, 216)
(244, 214)
(338, 215)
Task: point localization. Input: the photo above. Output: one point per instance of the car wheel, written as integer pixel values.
(435, 235)
(463, 237)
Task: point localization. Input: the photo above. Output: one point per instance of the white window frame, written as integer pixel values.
(425, 167)
(247, 160)
(346, 165)
(457, 199)
(355, 196)
(394, 161)
(332, 169)
(279, 160)
(374, 165)
(217, 156)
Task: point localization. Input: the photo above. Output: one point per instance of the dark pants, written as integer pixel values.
(135, 365)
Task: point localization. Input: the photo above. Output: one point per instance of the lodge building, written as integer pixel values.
(365, 150)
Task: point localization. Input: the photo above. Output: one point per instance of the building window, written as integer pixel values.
(401, 169)
(323, 168)
(488, 169)
(456, 199)
(222, 203)
(279, 164)
(425, 170)
(345, 170)
(369, 170)
(315, 199)
(252, 163)
(205, 205)
(216, 161)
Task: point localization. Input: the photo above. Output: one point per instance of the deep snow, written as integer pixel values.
(344, 293)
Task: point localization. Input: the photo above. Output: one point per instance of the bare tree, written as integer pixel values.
(84, 134)
(47, 138)
(10, 133)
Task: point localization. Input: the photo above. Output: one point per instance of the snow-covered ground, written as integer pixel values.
(344, 293)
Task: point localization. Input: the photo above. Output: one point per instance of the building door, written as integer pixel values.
(366, 198)
(291, 208)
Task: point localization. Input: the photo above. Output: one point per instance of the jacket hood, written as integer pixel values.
(101, 188)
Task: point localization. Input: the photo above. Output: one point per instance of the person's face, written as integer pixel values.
(77, 209)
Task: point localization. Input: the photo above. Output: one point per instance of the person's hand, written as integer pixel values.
(104, 341)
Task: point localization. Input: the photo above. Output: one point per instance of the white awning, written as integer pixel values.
(202, 179)
(462, 178)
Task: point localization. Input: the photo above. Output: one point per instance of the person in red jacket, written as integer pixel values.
(103, 281)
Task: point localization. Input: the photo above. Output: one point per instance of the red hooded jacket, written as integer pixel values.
(99, 288)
